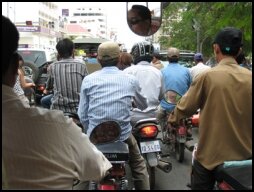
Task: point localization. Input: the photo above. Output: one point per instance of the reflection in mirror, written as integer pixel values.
(144, 20)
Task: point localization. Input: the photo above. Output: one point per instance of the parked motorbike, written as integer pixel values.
(105, 136)
(30, 92)
(145, 131)
(234, 175)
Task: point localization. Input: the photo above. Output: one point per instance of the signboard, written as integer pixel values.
(28, 28)
(65, 12)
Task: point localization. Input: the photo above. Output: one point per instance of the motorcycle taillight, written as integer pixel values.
(107, 187)
(181, 130)
(40, 87)
(149, 131)
(195, 120)
(224, 186)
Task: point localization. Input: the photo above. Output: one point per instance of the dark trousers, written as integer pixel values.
(201, 178)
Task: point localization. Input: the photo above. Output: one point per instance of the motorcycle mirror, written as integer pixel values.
(144, 20)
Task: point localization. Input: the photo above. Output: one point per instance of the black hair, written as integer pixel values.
(173, 59)
(109, 62)
(240, 59)
(65, 48)
(10, 38)
(157, 55)
(144, 12)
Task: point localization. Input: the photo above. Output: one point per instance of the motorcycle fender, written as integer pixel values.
(181, 138)
(152, 159)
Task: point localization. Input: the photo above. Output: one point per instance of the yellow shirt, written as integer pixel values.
(42, 149)
(224, 96)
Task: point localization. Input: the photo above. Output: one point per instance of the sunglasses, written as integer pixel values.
(134, 21)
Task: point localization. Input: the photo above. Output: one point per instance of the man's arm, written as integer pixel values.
(83, 107)
(140, 101)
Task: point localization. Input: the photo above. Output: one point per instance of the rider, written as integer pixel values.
(150, 80)
(41, 149)
(66, 74)
(106, 95)
(224, 96)
(177, 80)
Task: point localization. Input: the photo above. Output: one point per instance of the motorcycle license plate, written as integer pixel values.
(150, 146)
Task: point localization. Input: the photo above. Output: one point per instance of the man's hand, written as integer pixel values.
(171, 120)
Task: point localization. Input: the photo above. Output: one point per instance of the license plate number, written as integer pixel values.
(150, 146)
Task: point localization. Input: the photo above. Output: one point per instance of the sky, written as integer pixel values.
(116, 18)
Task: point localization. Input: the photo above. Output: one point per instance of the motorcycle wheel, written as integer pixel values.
(179, 151)
(151, 172)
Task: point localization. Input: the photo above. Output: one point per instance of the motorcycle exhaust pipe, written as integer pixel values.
(164, 166)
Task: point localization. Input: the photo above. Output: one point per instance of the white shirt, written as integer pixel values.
(42, 149)
(197, 69)
(151, 83)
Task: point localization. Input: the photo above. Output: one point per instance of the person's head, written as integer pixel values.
(139, 19)
(125, 60)
(108, 54)
(227, 42)
(156, 57)
(142, 51)
(198, 57)
(65, 48)
(240, 59)
(10, 64)
(173, 54)
(21, 60)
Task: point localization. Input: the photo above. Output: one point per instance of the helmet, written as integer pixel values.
(142, 51)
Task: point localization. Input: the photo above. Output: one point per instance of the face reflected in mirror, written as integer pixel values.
(140, 21)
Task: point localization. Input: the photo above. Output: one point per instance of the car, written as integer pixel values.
(36, 62)
(186, 58)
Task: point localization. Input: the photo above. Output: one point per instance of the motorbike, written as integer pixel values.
(234, 175)
(145, 131)
(30, 92)
(176, 137)
(105, 137)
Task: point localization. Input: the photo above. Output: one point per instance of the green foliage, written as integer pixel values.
(211, 16)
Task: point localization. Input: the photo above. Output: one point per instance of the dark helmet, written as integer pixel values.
(142, 51)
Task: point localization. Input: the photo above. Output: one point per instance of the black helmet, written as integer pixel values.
(142, 51)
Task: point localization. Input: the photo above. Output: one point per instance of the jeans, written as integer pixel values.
(138, 165)
(46, 101)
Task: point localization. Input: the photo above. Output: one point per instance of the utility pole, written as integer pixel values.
(196, 27)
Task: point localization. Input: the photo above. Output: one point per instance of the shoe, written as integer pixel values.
(188, 185)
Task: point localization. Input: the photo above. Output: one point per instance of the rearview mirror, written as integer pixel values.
(144, 20)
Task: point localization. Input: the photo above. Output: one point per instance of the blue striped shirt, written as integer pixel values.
(106, 95)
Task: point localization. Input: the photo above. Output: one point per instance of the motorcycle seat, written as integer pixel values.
(115, 151)
(238, 176)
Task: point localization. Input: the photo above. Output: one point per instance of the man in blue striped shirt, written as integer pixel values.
(107, 95)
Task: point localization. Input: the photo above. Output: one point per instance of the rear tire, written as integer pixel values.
(180, 151)
(151, 172)
(32, 70)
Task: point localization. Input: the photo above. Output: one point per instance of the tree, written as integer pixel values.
(211, 16)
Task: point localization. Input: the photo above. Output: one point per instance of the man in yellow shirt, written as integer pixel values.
(224, 96)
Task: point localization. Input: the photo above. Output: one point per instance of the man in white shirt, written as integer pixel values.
(200, 67)
(150, 80)
(41, 149)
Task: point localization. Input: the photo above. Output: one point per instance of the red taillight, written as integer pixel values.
(182, 130)
(107, 187)
(41, 87)
(224, 186)
(149, 131)
(195, 120)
